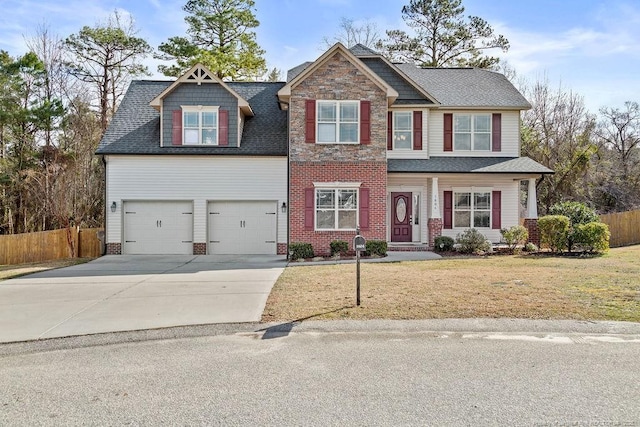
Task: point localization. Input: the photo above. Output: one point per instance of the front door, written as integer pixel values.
(401, 221)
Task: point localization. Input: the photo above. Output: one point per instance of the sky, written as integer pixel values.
(590, 47)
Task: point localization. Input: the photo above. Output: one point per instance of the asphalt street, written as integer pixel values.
(323, 374)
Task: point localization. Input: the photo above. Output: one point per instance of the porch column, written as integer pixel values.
(532, 200)
(531, 221)
(435, 219)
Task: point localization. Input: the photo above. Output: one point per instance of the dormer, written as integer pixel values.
(200, 110)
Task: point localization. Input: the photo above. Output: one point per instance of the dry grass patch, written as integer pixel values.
(533, 287)
(12, 271)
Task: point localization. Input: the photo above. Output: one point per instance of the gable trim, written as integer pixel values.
(285, 93)
(199, 74)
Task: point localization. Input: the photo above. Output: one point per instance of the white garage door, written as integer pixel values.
(162, 227)
(242, 227)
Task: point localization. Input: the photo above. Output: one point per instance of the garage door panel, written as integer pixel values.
(158, 227)
(242, 227)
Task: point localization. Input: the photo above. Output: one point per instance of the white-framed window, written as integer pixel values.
(472, 132)
(402, 130)
(199, 125)
(338, 122)
(336, 208)
(472, 208)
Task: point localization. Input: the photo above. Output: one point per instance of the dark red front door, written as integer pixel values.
(401, 217)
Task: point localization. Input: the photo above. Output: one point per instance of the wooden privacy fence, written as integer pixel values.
(49, 245)
(624, 228)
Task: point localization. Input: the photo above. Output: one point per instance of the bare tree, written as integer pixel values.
(616, 180)
(107, 57)
(351, 33)
(558, 133)
(619, 130)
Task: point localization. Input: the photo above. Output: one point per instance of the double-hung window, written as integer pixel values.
(402, 130)
(336, 209)
(338, 121)
(472, 209)
(200, 125)
(472, 132)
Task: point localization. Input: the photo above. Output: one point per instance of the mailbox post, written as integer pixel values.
(359, 244)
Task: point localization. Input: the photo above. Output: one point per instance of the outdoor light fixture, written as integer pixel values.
(113, 206)
(283, 208)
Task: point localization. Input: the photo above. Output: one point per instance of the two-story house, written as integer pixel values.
(198, 165)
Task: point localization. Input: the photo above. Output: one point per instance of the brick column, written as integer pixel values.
(199, 248)
(531, 224)
(435, 230)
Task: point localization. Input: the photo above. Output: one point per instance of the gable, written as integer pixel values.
(135, 127)
(337, 51)
(199, 75)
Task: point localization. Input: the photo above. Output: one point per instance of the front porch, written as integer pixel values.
(415, 215)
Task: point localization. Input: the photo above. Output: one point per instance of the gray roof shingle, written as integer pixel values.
(466, 87)
(407, 93)
(135, 128)
(293, 73)
(467, 165)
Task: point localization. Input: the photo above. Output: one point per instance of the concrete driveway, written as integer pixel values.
(131, 292)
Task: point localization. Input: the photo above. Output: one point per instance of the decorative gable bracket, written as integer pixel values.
(200, 74)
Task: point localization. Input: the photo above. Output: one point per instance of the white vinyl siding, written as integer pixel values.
(199, 179)
(510, 134)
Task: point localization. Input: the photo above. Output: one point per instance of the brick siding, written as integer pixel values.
(114, 248)
(372, 175)
(337, 79)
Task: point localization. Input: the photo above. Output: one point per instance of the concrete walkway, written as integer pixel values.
(123, 293)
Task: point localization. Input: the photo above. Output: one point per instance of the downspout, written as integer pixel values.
(104, 208)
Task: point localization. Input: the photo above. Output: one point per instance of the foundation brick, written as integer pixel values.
(114, 249)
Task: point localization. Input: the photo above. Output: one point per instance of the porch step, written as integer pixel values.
(407, 248)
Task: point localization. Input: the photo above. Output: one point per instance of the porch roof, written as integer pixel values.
(467, 165)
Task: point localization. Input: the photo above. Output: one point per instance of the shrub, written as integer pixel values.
(339, 247)
(578, 213)
(376, 247)
(553, 232)
(593, 237)
(443, 244)
(301, 250)
(514, 236)
(530, 247)
(472, 241)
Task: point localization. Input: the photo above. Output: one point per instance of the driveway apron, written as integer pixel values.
(132, 292)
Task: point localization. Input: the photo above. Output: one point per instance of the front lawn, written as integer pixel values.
(532, 287)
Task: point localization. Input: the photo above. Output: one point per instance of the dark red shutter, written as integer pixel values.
(448, 132)
(417, 130)
(448, 209)
(389, 130)
(496, 132)
(223, 127)
(310, 121)
(176, 127)
(364, 209)
(496, 210)
(365, 122)
(309, 195)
